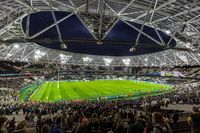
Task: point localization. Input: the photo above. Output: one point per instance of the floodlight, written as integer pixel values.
(63, 46)
(107, 61)
(168, 31)
(64, 58)
(188, 43)
(87, 59)
(39, 54)
(99, 42)
(16, 46)
(126, 61)
(8, 54)
(132, 49)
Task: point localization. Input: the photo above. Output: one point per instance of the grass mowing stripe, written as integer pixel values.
(36, 96)
(64, 95)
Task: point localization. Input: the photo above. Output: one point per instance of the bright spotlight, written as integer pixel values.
(64, 58)
(63, 46)
(8, 54)
(188, 43)
(107, 61)
(87, 59)
(126, 61)
(39, 54)
(16, 46)
(168, 31)
(99, 42)
(133, 49)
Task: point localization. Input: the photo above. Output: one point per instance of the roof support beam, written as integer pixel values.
(142, 27)
(110, 7)
(6, 27)
(143, 33)
(169, 59)
(87, 27)
(110, 28)
(182, 21)
(176, 15)
(158, 8)
(47, 3)
(12, 53)
(121, 11)
(193, 57)
(49, 27)
(101, 20)
(56, 23)
(194, 20)
(153, 10)
(23, 3)
(85, 5)
(21, 59)
(59, 2)
(28, 24)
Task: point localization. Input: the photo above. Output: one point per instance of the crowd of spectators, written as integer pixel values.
(89, 117)
(120, 116)
(10, 82)
(8, 94)
(50, 69)
(18, 83)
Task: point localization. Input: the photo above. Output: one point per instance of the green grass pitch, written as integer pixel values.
(79, 90)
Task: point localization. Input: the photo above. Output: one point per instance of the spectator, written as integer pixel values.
(83, 126)
(134, 125)
(175, 117)
(160, 126)
(117, 126)
(3, 129)
(194, 120)
(12, 125)
(45, 129)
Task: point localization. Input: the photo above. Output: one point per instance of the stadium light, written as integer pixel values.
(16, 46)
(126, 61)
(182, 56)
(8, 54)
(132, 49)
(168, 31)
(163, 63)
(39, 54)
(63, 46)
(25, 59)
(188, 45)
(107, 61)
(87, 60)
(64, 58)
(61, 55)
(146, 59)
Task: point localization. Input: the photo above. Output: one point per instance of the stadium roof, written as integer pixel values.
(179, 18)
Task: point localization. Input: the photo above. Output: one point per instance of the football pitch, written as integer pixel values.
(53, 91)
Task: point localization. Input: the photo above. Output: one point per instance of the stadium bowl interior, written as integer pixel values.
(99, 66)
